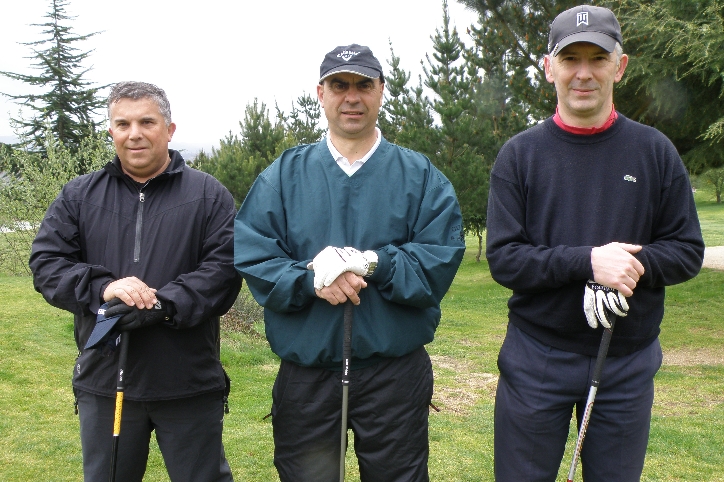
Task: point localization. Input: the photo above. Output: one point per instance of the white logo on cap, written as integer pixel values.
(581, 18)
(347, 54)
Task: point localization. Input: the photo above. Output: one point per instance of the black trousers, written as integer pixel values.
(188, 431)
(387, 412)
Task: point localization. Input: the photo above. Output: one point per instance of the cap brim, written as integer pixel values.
(603, 40)
(101, 331)
(353, 69)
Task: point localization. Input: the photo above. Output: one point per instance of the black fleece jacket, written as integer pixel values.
(556, 195)
(176, 235)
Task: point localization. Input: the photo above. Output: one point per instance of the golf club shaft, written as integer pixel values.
(595, 381)
(346, 360)
(119, 401)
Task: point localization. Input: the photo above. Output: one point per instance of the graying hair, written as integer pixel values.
(140, 90)
(619, 52)
(618, 49)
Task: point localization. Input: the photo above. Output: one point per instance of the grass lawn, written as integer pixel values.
(40, 430)
(711, 217)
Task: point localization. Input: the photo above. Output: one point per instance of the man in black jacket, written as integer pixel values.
(154, 237)
(587, 206)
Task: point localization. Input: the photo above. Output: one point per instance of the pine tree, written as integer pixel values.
(674, 76)
(406, 115)
(466, 141)
(512, 37)
(69, 106)
(240, 159)
(303, 121)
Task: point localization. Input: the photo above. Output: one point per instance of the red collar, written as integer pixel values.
(586, 131)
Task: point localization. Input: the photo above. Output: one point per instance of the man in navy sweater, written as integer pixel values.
(381, 227)
(588, 202)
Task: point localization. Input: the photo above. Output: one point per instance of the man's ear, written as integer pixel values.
(548, 68)
(622, 63)
(320, 93)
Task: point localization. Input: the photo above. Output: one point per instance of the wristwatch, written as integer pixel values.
(371, 258)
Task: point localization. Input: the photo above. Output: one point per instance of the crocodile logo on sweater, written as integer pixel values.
(629, 178)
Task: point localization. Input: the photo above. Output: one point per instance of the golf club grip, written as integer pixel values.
(125, 336)
(603, 349)
(122, 357)
(347, 342)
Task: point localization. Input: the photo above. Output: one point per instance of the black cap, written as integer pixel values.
(354, 58)
(103, 328)
(585, 23)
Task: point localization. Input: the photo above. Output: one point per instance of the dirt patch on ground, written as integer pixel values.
(467, 388)
(714, 257)
(688, 358)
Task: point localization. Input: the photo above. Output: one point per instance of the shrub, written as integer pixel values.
(30, 183)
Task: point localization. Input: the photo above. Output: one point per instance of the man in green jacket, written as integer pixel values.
(382, 229)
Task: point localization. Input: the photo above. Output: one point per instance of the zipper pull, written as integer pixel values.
(141, 196)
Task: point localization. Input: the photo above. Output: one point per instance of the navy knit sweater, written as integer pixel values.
(556, 195)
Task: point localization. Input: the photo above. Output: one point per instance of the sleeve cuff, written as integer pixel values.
(384, 265)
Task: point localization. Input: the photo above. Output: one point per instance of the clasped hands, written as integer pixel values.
(338, 274)
(133, 317)
(137, 303)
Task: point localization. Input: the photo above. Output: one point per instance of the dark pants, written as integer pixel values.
(188, 431)
(537, 390)
(388, 410)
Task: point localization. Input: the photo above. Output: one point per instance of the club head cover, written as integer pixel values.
(104, 325)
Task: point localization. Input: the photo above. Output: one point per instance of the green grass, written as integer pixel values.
(711, 216)
(40, 431)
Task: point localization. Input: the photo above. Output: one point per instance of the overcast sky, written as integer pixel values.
(214, 57)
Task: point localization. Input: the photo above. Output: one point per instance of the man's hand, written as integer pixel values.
(332, 262)
(615, 266)
(345, 287)
(133, 317)
(597, 299)
(132, 291)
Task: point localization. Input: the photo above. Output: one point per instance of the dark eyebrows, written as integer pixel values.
(337, 80)
(363, 82)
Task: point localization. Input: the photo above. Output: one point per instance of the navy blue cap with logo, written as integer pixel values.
(585, 23)
(356, 59)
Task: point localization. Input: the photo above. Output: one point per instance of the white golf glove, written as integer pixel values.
(332, 262)
(597, 299)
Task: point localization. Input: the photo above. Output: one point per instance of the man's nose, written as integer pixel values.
(352, 94)
(584, 70)
(135, 131)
